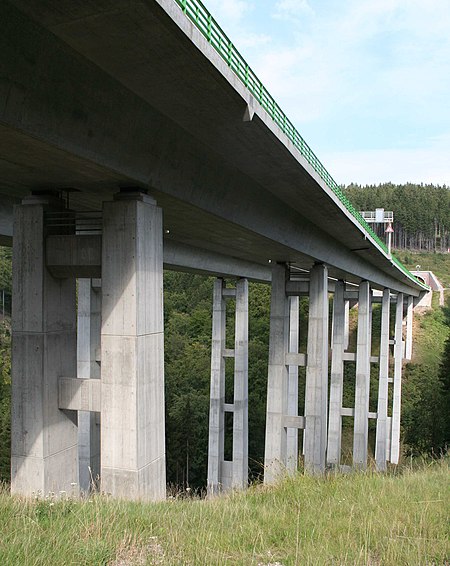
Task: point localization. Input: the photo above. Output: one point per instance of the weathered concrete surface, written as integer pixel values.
(44, 439)
(132, 350)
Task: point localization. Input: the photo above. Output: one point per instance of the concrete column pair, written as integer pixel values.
(222, 474)
(44, 438)
(281, 450)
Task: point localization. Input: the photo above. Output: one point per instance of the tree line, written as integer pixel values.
(421, 213)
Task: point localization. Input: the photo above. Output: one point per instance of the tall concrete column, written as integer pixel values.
(316, 400)
(362, 385)
(337, 377)
(88, 367)
(44, 438)
(383, 386)
(277, 381)
(240, 412)
(132, 349)
(409, 327)
(217, 391)
(292, 408)
(397, 396)
(346, 324)
(225, 474)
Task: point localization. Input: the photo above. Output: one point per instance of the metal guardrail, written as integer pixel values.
(211, 30)
(73, 222)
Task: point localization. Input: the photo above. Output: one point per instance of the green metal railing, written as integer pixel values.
(210, 29)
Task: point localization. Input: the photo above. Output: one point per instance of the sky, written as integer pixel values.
(366, 82)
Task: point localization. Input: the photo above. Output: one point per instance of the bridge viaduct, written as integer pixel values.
(134, 137)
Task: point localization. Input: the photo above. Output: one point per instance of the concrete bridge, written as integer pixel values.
(134, 137)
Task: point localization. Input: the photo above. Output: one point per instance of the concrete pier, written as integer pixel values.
(132, 349)
(277, 381)
(362, 385)
(409, 327)
(88, 367)
(217, 391)
(292, 408)
(44, 438)
(240, 408)
(397, 395)
(337, 375)
(316, 401)
(381, 452)
(228, 474)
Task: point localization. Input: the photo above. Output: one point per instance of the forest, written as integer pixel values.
(421, 213)
(188, 307)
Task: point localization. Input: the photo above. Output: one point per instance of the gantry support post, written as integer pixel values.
(337, 376)
(409, 327)
(362, 391)
(397, 396)
(88, 367)
(132, 349)
(292, 408)
(222, 474)
(381, 448)
(44, 438)
(316, 400)
(277, 381)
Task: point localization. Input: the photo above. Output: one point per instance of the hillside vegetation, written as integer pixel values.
(358, 519)
(421, 212)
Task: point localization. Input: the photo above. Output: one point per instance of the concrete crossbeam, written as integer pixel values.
(76, 394)
(132, 370)
(44, 438)
(316, 400)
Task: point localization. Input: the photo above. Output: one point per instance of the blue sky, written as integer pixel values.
(366, 82)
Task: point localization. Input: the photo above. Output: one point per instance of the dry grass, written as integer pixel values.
(370, 519)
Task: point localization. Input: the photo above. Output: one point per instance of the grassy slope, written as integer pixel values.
(354, 519)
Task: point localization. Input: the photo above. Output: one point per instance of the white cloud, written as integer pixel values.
(376, 71)
(425, 165)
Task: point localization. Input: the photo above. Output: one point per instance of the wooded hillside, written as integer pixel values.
(421, 213)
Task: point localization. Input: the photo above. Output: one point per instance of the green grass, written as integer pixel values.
(346, 519)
